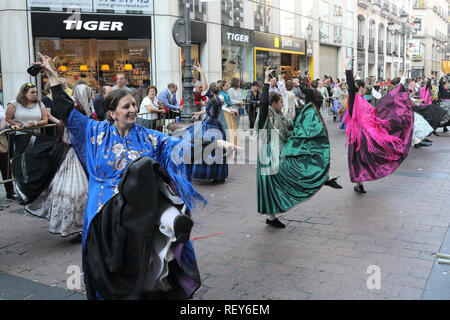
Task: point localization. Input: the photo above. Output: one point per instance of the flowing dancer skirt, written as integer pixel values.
(130, 251)
(339, 112)
(446, 106)
(433, 114)
(63, 202)
(301, 167)
(422, 128)
(342, 111)
(212, 166)
(232, 128)
(379, 139)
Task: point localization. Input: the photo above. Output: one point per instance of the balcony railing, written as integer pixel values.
(364, 3)
(389, 49)
(380, 46)
(378, 2)
(360, 42)
(372, 45)
(396, 51)
(394, 10)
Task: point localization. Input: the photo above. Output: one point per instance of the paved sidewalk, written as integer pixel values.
(324, 252)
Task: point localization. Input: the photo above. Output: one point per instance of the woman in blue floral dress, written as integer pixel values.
(139, 267)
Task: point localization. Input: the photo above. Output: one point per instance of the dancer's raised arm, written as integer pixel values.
(352, 89)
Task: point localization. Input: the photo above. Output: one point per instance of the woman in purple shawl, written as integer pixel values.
(378, 138)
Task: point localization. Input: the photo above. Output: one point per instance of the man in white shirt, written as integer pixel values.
(273, 86)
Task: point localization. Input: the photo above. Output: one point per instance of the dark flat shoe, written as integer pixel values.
(333, 183)
(435, 133)
(426, 144)
(14, 197)
(359, 189)
(77, 239)
(276, 223)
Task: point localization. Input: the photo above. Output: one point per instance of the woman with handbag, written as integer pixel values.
(236, 98)
(4, 158)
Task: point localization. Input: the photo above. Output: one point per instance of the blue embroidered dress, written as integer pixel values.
(210, 129)
(105, 155)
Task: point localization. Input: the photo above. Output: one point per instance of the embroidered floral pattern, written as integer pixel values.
(133, 155)
(118, 149)
(100, 138)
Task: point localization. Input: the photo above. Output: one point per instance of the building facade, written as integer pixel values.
(96, 39)
(384, 30)
(430, 37)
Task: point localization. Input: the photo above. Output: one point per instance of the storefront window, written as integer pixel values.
(237, 54)
(289, 63)
(237, 63)
(195, 59)
(97, 62)
(266, 59)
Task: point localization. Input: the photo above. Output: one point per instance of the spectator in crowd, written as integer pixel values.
(24, 113)
(141, 92)
(322, 88)
(253, 99)
(4, 159)
(121, 82)
(290, 104)
(235, 96)
(82, 95)
(199, 100)
(47, 97)
(47, 100)
(297, 91)
(65, 86)
(99, 103)
(150, 104)
(273, 86)
(169, 99)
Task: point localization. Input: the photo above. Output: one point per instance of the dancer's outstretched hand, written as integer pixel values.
(228, 145)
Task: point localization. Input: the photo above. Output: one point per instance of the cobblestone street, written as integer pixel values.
(324, 252)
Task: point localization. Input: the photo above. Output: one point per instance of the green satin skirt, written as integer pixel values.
(301, 167)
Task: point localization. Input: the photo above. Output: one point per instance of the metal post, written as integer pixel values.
(404, 46)
(188, 94)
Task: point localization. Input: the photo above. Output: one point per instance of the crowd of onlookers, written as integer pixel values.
(156, 106)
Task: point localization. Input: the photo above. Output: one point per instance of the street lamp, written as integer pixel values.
(404, 31)
(181, 33)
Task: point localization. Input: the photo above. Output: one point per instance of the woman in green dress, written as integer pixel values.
(293, 158)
